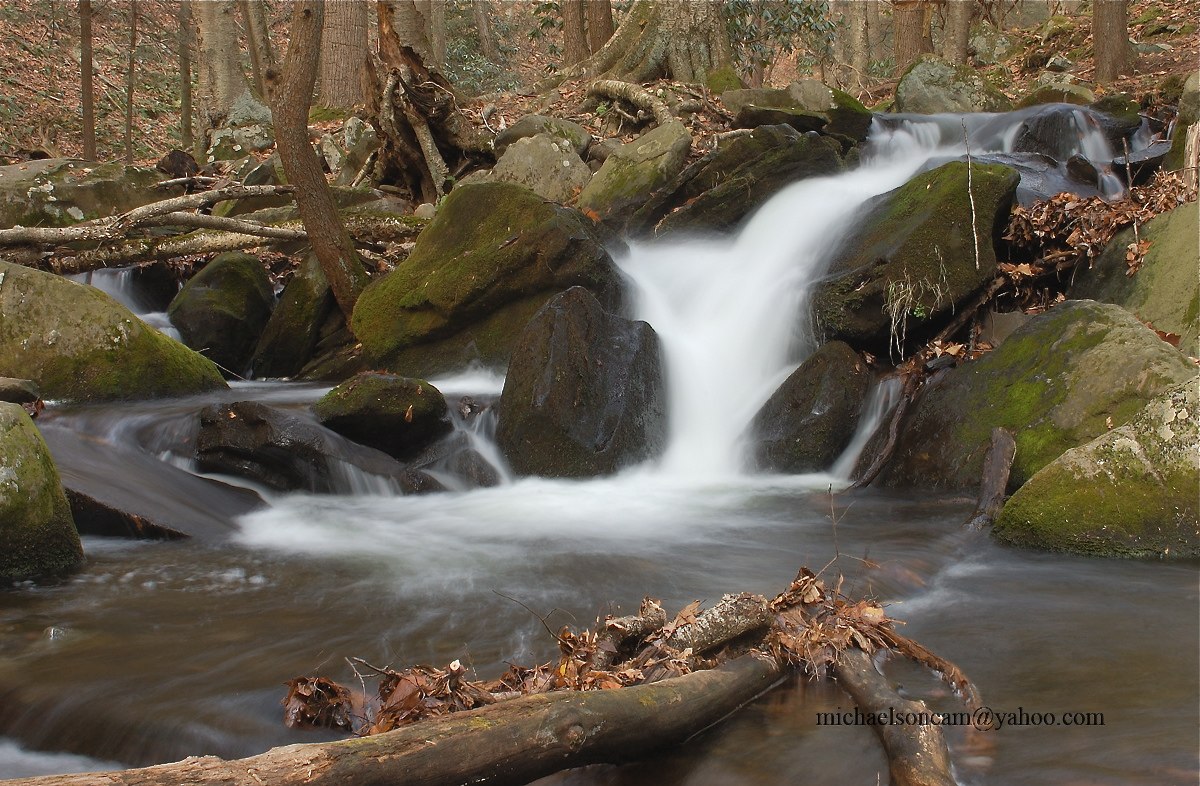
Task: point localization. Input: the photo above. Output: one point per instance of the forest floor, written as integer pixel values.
(40, 91)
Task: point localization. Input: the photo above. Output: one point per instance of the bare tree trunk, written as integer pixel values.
(258, 41)
(912, 25)
(343, 53)
(599, 23)
(434, 14)
(483, 25)
(411, 26)
(957, 34)
(291, 93)
(186, 140)
(129, 81)
(875, 35)
(1110, 36)
(85, 79)
(575, 43)
(856, 42)
(221, 76)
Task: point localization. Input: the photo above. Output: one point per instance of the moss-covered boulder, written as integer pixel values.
(222, 310)
(1189, 114)
(77, 343)
(495, 253)
(584, 394)
(847, 116)
(932, 86)
(37, 534)
(1131, 492)
(290, 336)
(398, 415)
(1165, 291)
(1061, 379)
(809, 420)
(19, 391)
(911, 262)
(573, 134)
(63, 191)
(634, 171)
(718, 191)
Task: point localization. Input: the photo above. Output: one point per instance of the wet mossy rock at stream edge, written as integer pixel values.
(911, 262)
(1061, 379)
(79, 344)
(493, 255)
(584, 395)
(291, 334)
(222, 310)
(633, 172)
(1132, 492)
(811, 418)
(398, 415)
(37, 534)
(1165, 291)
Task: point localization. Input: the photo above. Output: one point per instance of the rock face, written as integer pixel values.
(1131, 492)
(37, 534)
(291, 334)
(718, 191)
(547, 166)
(397, 415)
(62, 191)
(491, 258)
(912, 259)
(810, 419)
(933, 86)
(634, 171)
(1165, 291)
(1060, 380)
(288, 453)
(532, 125)
(77, 343)
(584, 392)
(223, 309)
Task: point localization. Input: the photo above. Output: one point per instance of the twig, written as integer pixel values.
(971, 193)
(542, 620)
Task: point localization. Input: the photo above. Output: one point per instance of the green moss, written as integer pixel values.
(322, 114)
(721, 79)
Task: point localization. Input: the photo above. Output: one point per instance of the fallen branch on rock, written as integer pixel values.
(636, 684)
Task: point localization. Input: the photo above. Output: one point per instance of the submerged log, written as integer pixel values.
(996, 467)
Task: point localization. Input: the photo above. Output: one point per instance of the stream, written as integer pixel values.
(159, 650)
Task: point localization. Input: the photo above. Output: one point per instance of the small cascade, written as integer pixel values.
(121, 286)
(880, 404)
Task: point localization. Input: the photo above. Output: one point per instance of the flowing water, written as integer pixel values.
(159, 650)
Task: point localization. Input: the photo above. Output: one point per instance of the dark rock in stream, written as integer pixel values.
(399, 415)
(288, 453)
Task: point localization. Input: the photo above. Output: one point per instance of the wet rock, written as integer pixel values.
(1165, 291)
(1063, 378)
(1129, 493)
(932, 86)
(1055, 130)
(809, 420)
(634, 171)
(18, 391)
(911, 262)
(37, 534)
(584, 394)
(532, 125)
(495, 253)
(287, 452)
(61, 191)
(397, 415)
(1139, 167)
(1189, 114)
(289, 338)
(717, 192)
(79, 344)
(222, 310)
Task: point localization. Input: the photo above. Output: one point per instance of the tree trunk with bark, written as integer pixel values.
(599, 23)
(912, 23)
(130, 73)
(291, 95)
(1110, 36)
(258, 42)
(575, 42)
(85, 80)
(858, 53)
(221, 78)
(956, 36)
(184, 41)
(482, 10)
(343, 54)
(434, 14)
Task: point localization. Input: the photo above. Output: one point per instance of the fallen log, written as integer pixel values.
(996, 468)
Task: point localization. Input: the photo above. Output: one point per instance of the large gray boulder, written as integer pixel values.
(1165, 291)
(37, 534)
(222, 310)
(77, 343)
(62, 191)
(398, 415)
(932, 86)
(911, 262)
(809, 420)
(493, 255)
(634, 171)
(1058, 381)
(1131, 492)
(573, 134)
(547, 166)
(290, 337)
(584, 394)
